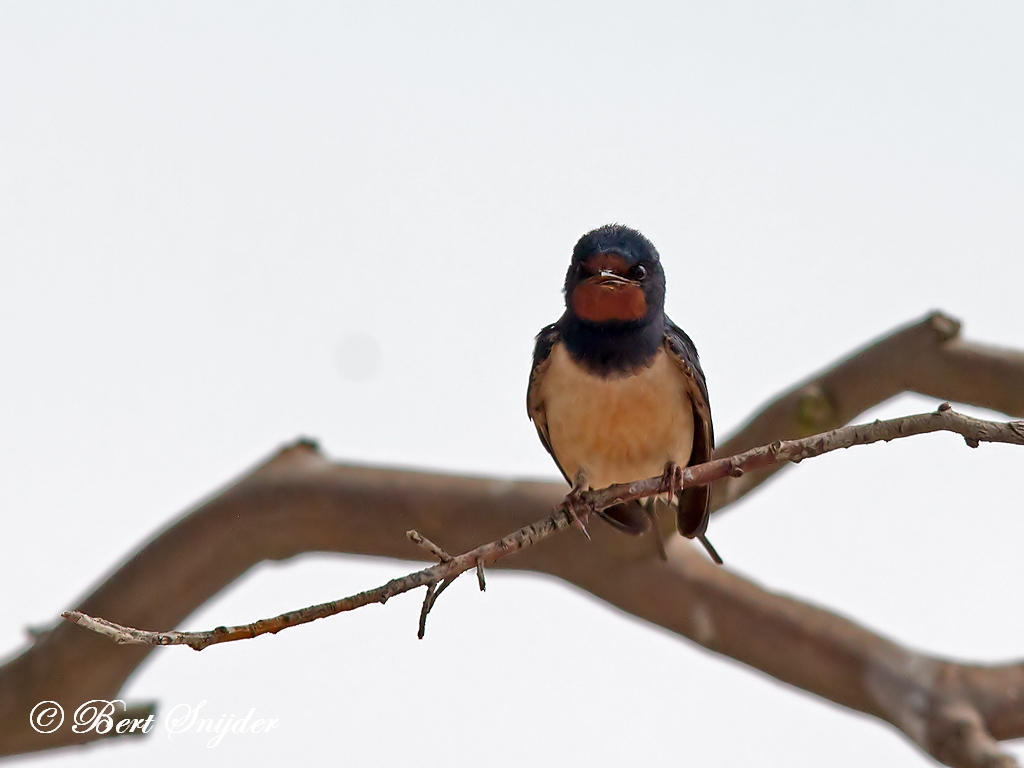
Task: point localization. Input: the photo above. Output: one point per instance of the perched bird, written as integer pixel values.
(617, 392)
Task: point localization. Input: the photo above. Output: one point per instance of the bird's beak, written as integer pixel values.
(606, 278)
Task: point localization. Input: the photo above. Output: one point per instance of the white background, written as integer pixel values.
(226, 225)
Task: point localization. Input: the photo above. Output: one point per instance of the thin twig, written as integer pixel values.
(443, 586)
(480, 575)
(428, 602)
(782, 451)
(428, 545)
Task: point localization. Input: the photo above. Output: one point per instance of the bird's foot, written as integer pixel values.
(671, 486)
(577, 507)
(671, 481)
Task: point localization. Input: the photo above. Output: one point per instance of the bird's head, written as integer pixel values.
(615, 278)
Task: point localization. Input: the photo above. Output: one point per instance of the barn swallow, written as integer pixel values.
(616, 392)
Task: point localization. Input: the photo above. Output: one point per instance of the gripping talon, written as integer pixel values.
(578, 523)
(671, 480)
(578, 509)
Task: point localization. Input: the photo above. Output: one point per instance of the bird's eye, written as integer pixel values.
(638, 272)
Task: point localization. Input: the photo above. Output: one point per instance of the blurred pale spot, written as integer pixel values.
(358, 357)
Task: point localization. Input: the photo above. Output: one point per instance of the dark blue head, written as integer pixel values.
(615, 277)
(614, 320)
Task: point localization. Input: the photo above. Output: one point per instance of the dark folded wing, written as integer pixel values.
(546, 340)
(694, 503)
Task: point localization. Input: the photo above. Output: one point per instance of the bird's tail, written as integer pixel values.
(628, 517)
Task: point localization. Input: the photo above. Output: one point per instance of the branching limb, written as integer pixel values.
(974, 431)
(927, 357)
(299, 502)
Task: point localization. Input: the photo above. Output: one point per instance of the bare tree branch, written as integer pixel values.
(300, 502)
(974, 432)
(927, 357)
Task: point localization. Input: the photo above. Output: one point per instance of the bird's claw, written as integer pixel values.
(671, 480)
(576, 506)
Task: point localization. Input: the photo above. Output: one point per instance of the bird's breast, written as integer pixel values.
(617, 428)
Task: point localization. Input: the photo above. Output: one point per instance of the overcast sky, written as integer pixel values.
(223, 225)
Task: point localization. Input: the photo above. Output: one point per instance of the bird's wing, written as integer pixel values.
(694, 503)
(546, 340)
